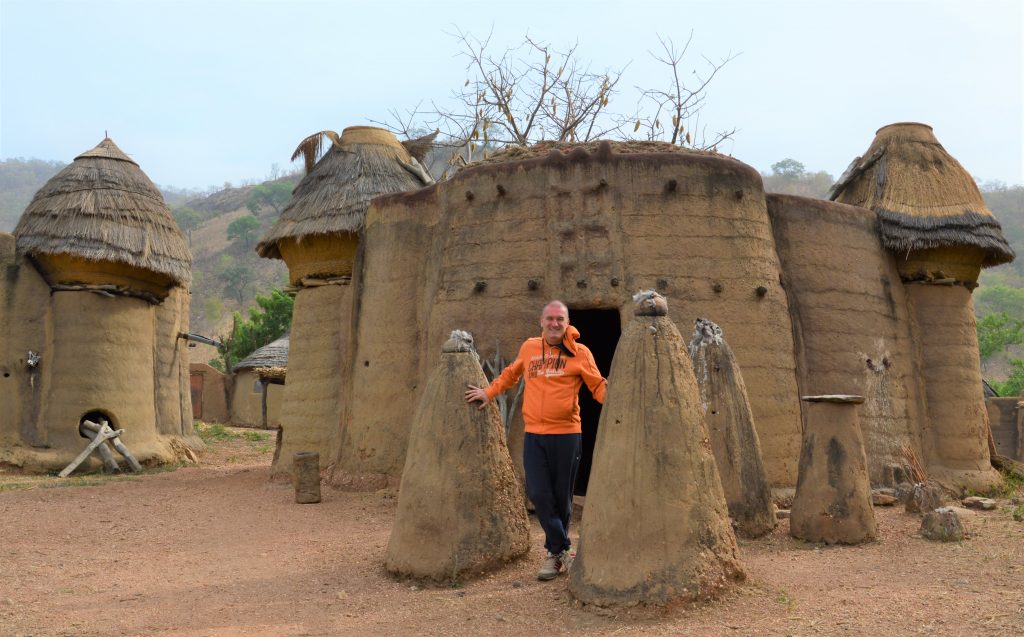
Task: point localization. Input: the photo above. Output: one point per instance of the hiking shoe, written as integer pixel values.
(551, 568)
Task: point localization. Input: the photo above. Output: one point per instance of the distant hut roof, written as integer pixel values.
(273, 354)
(102, 207)
(333, 196)
(923, 197)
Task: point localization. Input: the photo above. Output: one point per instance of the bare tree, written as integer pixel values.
(532, 92)
(525, 94)
(680, 104)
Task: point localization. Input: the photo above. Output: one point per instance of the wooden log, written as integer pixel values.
(263, 403)
(99, 440)
(105, 453)
(306, 477)
(123, 450)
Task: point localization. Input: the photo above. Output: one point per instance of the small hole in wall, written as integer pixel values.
(366, 363)
(7, 374)
(713, 412)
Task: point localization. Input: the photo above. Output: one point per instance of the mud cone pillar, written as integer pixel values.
(460, 509)
(833, 493)
(730, 424)
(656, 528)
(945, 328)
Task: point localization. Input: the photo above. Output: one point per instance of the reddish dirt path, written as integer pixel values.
(219, 550)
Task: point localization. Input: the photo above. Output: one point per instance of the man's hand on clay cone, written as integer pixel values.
(475, 393)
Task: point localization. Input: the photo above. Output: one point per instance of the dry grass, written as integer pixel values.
(334, 196)
(102, 207)
(923, 196)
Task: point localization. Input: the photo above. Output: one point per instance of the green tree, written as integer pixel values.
(790, 177)
(235, 277)
(270, 320)
(274, 195)
(244, 229)
(1014, 385)
(188, 220)
(789, 168)
(996, 332)
(992, 299)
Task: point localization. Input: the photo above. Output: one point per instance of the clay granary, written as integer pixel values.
(818, 297)
(94, 300)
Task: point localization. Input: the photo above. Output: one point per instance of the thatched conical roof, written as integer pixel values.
(923, 197)
(334, 195)
(273, 354)
(102, 207)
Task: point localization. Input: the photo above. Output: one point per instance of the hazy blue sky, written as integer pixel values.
(200, 93)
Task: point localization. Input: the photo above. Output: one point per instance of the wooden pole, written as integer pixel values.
(264, 401)
(101, 437)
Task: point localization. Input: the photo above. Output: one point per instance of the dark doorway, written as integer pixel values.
(599, 330)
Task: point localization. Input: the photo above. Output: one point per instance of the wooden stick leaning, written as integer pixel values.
(120, 446)
(100, 438)
(105, 453)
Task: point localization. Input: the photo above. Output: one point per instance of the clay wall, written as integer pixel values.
(101, 359)
(851, 323)
(24, 323)
(170, 373)
(312, 401)
(214, 405)
(590, 230)
(1005, 419)
(247, 401)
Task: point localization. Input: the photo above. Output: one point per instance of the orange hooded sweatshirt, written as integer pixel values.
(554, 373)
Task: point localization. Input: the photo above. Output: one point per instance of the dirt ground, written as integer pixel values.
(218, 549)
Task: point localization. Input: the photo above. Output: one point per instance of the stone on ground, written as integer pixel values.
(943, 525)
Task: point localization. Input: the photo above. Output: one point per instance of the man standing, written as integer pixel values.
(555, 366)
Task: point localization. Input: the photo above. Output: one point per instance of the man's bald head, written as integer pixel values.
(554, 320)
(556, 304)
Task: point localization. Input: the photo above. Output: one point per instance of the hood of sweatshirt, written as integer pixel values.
(569, 340)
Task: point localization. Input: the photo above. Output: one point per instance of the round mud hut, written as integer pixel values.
(585, 223)
(258, 384)
(933, 220)
(95, 303)
(318, 237)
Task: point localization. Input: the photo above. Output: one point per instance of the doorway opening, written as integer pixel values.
(599, 331)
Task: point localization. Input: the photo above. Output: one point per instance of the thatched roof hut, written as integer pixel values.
(102, 210)
(332, 198)
(273, 354)
(923, 197)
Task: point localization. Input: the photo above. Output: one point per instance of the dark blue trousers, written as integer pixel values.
(551, 462)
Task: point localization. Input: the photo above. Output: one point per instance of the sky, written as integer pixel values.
(204, 93)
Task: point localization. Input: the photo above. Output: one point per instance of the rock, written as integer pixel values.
(923, 498)
(902, 491)
(886, 491)
(977, 502)
(883, 500)
(943, 525)
(782, 514)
